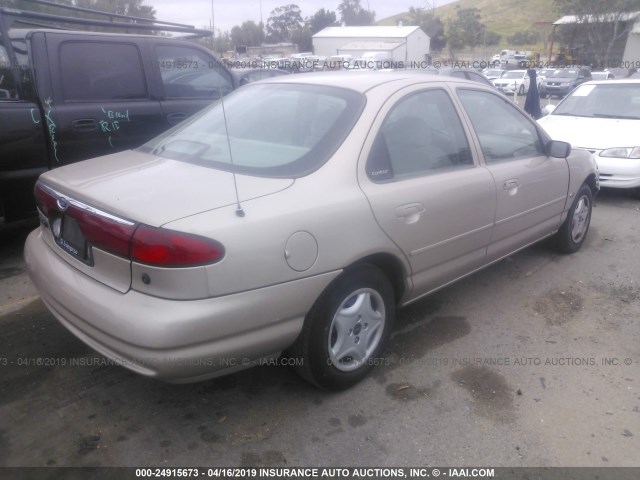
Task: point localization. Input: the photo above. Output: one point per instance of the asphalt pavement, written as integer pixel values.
(535, 361)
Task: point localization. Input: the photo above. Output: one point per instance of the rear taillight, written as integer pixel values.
(168, 248)
(104, 231)
(45, 200)
(100, 229)
(134, 241)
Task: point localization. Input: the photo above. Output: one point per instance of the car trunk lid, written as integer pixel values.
(92, 210)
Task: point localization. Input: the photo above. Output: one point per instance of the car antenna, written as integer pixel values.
(239, 210)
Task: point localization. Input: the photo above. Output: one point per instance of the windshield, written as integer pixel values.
(562, 73)
(514, 74)
(611, 100)
(276, 130)
(545, 72)
(494, 73)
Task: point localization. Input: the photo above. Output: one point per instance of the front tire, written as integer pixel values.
(521, 90)
(574, 230)
(346, 331)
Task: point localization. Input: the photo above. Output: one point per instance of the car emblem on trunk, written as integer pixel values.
(63, 204)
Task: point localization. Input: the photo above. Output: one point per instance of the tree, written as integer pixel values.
(249, 34)
(302, 38)
(466, 30)
(523, 38)
(282, 22)
(321, 20)
(605, 23)
(352, 13)
(222, 42)
(491, 38)
(133, 8)
(426, 19)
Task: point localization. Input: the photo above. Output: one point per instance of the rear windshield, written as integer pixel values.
(275, 130)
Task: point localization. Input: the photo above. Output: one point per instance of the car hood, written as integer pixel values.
(594, 133)
(155, 190)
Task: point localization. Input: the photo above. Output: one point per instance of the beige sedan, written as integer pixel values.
(296, 217)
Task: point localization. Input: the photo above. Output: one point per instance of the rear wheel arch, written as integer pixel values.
(391, 267)
(371, 287)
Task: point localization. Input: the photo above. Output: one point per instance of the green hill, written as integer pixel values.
(504, 17)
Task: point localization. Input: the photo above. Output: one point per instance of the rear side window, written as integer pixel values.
(101, 71)
(421, 135)
(8, 87)
(190, 73)
(15, 77)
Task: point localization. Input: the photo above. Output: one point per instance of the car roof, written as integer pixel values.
(613, 81)
(364, 81)
(22, 33)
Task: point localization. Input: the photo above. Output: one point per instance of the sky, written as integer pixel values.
(228, 13)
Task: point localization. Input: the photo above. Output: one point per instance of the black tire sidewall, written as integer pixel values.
(566, 243)
(321, 316)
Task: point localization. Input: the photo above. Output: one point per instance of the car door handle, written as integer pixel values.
(84, 125)
(410, 212)
(175, 118)
(511, 184)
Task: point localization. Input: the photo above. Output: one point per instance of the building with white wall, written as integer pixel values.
(406, 44)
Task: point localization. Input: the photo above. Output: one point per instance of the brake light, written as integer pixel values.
(168, 248)
(133, 241)
(45, 200)
(105, 232)
(99, 228)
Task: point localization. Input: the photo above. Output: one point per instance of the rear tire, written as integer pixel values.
(346, 331)
(574, 230)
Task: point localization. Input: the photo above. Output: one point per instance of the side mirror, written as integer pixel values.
(548, 109)
(558, 149)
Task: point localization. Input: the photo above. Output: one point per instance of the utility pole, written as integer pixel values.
(213, 29)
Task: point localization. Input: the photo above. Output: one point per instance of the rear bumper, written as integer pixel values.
(551, 90)
(172, 340)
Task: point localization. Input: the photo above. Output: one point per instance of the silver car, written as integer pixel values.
(297, 216)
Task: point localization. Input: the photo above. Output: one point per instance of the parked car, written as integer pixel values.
(543, 73)
(602, 75)
(456, 72)
(73, 95)
(493, 73)
(563, 80)
(604, 118)
(248, 75)
(466, 73)
(215, 246)
(513, 81)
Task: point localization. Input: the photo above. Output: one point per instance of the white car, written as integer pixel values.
(604, 118)
(513, 81)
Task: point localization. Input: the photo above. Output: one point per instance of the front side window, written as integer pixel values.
(190, 73)
(274, 130)
(503, 131)
(101, 71)
(422, 134)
